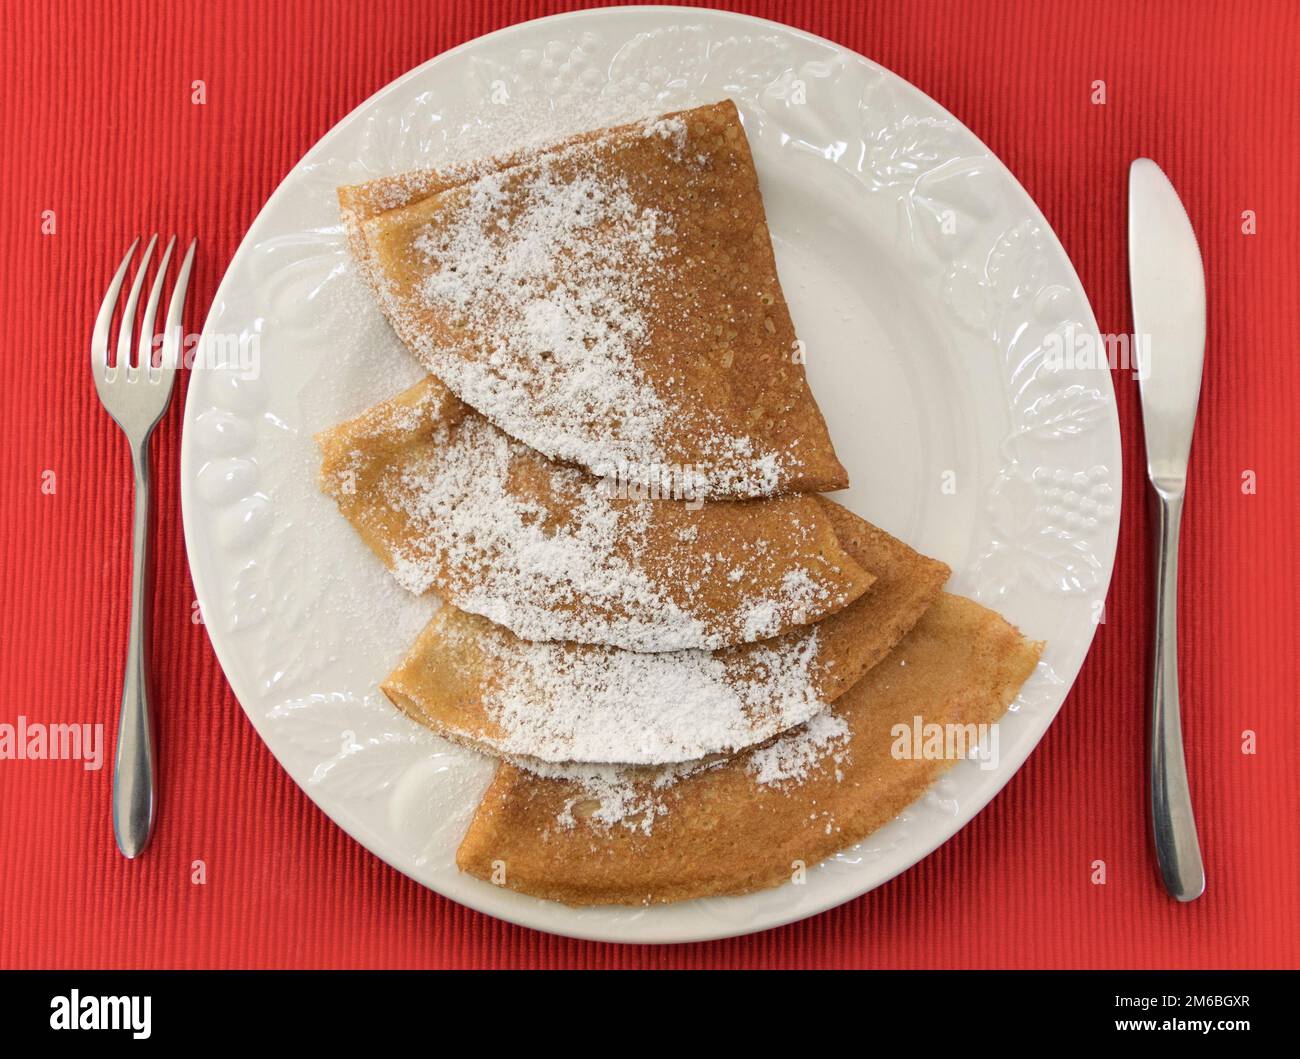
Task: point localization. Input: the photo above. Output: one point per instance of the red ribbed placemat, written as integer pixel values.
(98, 127)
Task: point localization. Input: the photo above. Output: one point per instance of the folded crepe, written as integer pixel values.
(479, 684)
(612, 301)
(753, 821)
(450, 502)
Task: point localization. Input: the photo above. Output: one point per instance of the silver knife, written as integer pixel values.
(1168, 289)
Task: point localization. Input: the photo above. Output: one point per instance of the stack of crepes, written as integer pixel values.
(687, 660)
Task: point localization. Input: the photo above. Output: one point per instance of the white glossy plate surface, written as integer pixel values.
(926, 285)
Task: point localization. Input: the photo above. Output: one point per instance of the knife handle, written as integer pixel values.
(1177, 847)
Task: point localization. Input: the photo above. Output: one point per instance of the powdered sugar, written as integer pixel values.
(635, 798)
(549, 294)
(615, 795)
(563, 703)
(799, 594)
(612, 796)
(544, 582)
(791, 758)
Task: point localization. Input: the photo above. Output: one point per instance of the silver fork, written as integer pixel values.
(136, 396)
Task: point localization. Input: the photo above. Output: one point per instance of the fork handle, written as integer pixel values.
(134, 784)
(1178, 850)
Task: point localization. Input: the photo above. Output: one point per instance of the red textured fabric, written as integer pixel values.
(97, 126)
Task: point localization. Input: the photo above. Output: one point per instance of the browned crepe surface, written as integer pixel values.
(449, 502)
(478, 684)
(714, 343)
(721, 830)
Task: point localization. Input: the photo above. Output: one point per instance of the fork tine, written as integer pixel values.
(99, 337)
(144, 351)
(128, 314)
(172, 338)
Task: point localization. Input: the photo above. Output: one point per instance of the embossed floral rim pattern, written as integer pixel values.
(301, 625)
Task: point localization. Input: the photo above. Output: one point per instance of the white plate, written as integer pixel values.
(924, 282)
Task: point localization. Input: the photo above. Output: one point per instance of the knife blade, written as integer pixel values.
(1167, 281)
(1168, 286)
